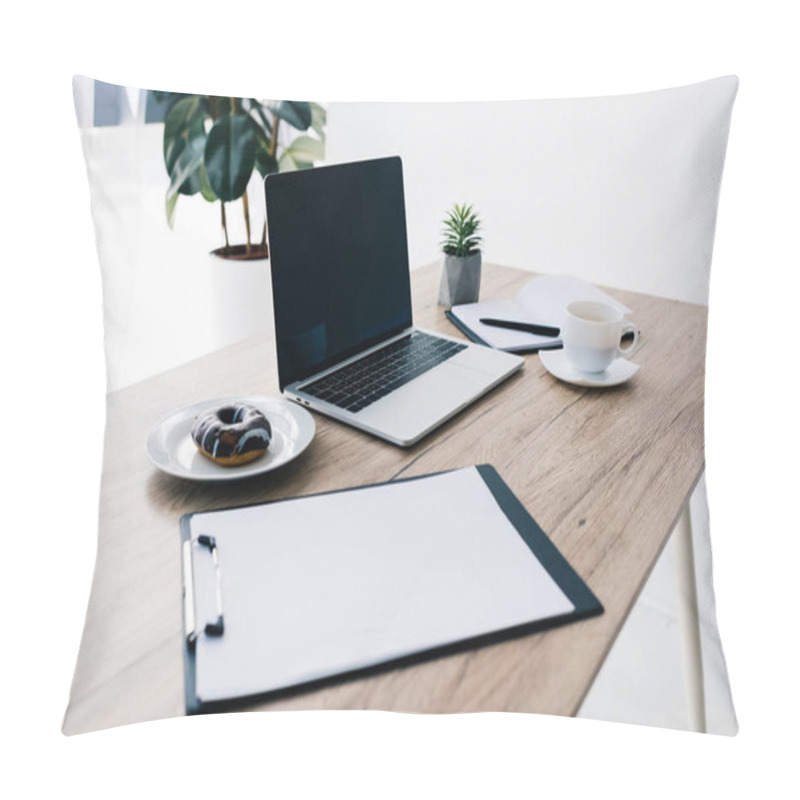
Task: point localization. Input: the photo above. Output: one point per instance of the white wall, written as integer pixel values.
(621, 191)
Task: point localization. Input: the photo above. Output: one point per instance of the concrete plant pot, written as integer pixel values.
(461, 280)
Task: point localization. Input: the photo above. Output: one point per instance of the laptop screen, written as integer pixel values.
(339, 260)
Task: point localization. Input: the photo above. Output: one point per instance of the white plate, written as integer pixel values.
(171, 449)
(557, 364)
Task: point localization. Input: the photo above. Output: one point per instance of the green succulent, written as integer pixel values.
(460, 234)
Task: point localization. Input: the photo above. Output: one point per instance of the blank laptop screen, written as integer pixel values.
(339, 259)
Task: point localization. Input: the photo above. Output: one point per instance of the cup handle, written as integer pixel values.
(627, 352)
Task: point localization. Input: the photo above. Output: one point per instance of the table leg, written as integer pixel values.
(689, 622)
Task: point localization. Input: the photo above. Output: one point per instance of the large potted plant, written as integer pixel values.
(461, 270)
(212, 146)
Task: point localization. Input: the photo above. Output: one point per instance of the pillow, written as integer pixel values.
(616, 191)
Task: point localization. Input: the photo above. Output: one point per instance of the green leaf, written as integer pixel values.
(259, 114)
(297, 114)
(221, 106)
(188, 162)
(205, 187)
(186, 156)
(187, 153)
(180, 114)
(230, 154)
(286, 163)
(192, 184)
(460, 231)
(184, 121)
(172, 201)
(319, 118)
(185, 166)
(183, 127)
(304, 148)
(266, 163)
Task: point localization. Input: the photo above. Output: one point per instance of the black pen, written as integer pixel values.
(526, 327)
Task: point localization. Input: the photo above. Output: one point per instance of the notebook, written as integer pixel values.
(542, 300)
(298, 592)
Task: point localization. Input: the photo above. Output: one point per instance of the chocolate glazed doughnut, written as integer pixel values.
(232, 435)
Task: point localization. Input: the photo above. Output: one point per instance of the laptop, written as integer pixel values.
(346, 343)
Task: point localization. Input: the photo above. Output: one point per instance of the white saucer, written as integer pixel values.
(171, 449)
(557, 364)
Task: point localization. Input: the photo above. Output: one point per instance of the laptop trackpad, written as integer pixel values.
(418, 406)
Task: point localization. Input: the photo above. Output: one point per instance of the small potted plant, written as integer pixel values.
(461, 271)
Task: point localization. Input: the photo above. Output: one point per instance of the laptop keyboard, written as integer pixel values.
(361, 383)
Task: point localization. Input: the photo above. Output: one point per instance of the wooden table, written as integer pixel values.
(606, 474)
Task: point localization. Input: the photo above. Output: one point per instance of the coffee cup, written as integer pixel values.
(592, 335)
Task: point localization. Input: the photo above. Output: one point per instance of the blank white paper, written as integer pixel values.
(546, 298)
(313, 587)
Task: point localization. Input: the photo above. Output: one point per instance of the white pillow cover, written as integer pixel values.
(621, 191)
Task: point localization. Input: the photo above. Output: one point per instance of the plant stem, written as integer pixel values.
(246, 207)
(224, 225)
(273, 145)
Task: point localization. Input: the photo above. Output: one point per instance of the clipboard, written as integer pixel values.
(297, 594)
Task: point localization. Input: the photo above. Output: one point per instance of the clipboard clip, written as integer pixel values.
(216, 627)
